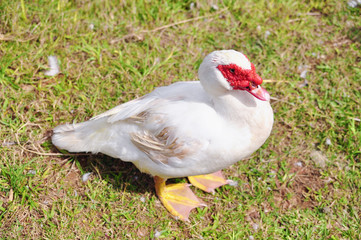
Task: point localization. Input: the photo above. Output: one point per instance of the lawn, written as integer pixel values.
(304, 183)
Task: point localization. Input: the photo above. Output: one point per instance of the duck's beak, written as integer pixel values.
(259, 92)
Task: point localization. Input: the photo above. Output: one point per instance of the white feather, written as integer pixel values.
(53, 66)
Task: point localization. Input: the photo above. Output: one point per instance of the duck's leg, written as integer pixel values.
(178, 198)
(208, 182)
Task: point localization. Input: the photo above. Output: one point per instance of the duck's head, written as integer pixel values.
(229, 70)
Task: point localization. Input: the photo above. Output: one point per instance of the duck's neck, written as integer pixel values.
(242, 110)
(236, 106)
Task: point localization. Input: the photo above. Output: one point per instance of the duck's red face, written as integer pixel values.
(244, 79)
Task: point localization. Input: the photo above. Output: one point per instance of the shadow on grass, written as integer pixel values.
(121, 175)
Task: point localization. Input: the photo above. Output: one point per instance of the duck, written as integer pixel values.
(190, 129)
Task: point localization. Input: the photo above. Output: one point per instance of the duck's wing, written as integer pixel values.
(167, 121)
(127, 110)
(180, 91)
(154, 124)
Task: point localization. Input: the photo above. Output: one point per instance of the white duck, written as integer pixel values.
(187, 129)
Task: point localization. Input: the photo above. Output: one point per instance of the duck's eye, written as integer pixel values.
(231, 70)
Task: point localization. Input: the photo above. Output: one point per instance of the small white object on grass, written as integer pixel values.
(302, 68)
(232, 183)
(53, 65)
(6, 144)
(32, 172)
(354, 3)
(255, 226)
(298, 164)
(319, 159)
(215, 7)
(157, 233)
(192, 6)
(328, 142)
(86, 176)
(303, 73)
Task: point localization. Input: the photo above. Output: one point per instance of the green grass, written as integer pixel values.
(136, 46)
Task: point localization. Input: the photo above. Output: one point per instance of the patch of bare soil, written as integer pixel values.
(301, 189)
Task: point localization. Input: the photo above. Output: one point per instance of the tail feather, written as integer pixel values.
(79, 137)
